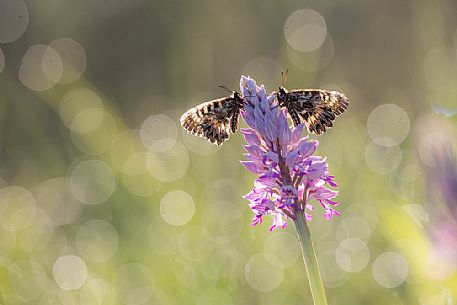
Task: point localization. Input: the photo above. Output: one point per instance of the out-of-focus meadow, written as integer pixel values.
(104, 199)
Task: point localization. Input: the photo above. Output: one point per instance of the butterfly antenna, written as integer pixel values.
(247, 98)
(226, 88)
(284, 76)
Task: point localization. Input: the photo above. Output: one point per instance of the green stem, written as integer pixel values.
(309, 256)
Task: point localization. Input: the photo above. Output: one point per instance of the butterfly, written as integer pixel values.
(215, 119)
(316, 107)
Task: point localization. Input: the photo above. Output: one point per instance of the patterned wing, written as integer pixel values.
(318, 108)
(213, 120)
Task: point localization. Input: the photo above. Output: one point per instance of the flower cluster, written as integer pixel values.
(289, 176)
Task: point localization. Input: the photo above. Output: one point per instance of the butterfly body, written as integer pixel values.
(214, 120)
(317, 108)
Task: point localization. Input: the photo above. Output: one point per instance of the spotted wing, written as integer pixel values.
(318, 108)
(213, 120)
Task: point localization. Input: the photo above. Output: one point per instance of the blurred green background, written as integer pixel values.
(104, 199)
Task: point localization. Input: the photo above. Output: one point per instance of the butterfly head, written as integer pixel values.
(281, 95)
(236, 96)
(238, 99)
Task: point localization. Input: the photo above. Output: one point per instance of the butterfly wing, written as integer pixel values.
(318, 108)
(213, 120)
